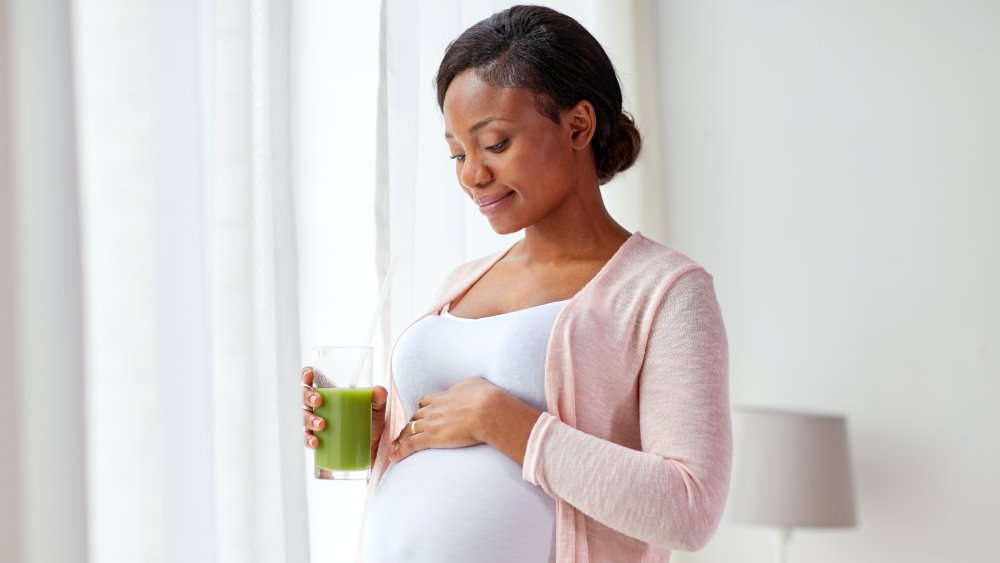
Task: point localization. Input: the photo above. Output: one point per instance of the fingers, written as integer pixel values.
(409, 443)
(312, 422)
(379, 398)
(406, 433)
(408, 448)
(310, 398)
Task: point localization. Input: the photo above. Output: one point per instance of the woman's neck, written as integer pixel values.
(585, 231)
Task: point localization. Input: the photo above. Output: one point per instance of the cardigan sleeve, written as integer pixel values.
(672, 493)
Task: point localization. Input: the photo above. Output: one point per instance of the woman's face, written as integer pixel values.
(516, 164)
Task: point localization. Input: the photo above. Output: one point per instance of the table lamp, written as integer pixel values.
(793, 470)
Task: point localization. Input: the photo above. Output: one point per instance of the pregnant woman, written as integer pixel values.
(567, 399)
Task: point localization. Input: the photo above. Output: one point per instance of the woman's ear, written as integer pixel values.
(582, 121)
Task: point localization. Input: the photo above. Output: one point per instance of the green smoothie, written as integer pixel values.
(345, 441)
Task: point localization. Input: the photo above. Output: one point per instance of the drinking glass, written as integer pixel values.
(343, 378)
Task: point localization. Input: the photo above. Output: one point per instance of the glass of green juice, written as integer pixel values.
(343, 378)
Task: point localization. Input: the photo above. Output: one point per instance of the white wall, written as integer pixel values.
(835, 166)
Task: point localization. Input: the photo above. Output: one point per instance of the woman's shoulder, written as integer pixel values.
(646, 275)
(645, 260)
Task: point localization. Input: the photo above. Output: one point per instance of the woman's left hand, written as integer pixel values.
(451, 419)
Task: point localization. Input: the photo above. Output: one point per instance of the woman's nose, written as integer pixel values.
(475, 172)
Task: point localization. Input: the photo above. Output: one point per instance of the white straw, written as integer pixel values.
(383, 295)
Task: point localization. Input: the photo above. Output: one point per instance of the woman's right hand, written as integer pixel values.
(312, 399)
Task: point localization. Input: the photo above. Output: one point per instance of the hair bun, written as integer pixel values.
(622, 151)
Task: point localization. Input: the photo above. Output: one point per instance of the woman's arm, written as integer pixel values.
(673, 492)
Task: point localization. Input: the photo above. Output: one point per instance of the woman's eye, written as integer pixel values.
(458, 157)
(497, 147)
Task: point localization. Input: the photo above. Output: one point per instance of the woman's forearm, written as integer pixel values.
(506, 424)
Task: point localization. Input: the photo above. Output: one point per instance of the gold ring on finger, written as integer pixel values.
(413, 427)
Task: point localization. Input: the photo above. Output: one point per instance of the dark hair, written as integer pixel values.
(555, 57)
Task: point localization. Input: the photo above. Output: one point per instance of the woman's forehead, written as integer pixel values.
(470, 101)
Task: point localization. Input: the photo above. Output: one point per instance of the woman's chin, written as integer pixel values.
(502, 228)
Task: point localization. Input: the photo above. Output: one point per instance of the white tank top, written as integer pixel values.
(465, 504)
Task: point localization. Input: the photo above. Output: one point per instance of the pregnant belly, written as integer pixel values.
(458, 505)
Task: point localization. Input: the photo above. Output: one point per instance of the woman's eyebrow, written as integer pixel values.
(478, 125)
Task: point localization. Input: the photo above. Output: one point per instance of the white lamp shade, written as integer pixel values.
(793, 470)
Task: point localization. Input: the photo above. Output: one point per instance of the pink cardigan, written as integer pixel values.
(636, 446)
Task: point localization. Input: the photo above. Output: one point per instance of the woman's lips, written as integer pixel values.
(492, 203)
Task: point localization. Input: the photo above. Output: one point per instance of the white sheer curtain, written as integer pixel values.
(335, 86)
(425, 221)
(42, 499)
(190, 277)
(151, 405)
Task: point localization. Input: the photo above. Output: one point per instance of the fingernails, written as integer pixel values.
(317, 422)
(314, 398)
